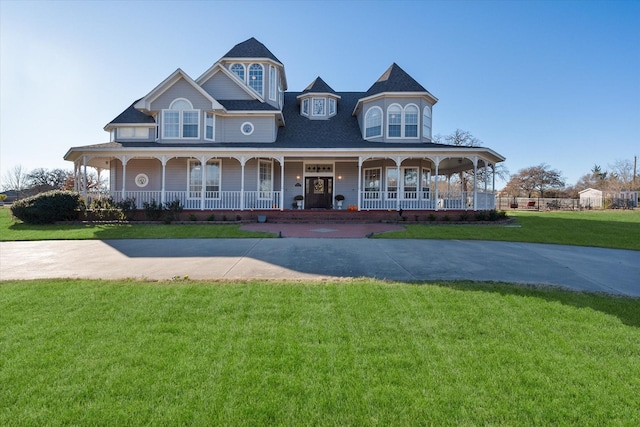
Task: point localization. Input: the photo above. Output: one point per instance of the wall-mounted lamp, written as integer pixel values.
(339, 177)
(298, 177)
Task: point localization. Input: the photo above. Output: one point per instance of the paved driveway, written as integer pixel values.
(592, 269)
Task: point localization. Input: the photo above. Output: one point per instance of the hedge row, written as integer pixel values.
(49, 207)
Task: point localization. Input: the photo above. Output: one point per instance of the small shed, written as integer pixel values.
(591, 198)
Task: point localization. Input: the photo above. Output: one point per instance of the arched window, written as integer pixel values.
(180, 120)
(411, 121)
(238, 70)
(394, 121)
(255, 77)
(373, 122)
(426, 122)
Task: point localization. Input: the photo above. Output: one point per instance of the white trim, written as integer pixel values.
(244, 71)
(404, 121)
(375, 107)
(305, 102)
(388, 121)
(213, 133)
(261, 93)
(270, 163)
(380, 186)
(180, 120)
(430, 116)
(313, 106)
(272, 83)
(333, 104)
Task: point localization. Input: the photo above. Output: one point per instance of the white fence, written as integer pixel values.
(413, 200)
(212, 199)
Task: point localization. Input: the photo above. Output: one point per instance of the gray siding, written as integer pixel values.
(181, 89)
(265, 129)
(221, 86)
(348, 185)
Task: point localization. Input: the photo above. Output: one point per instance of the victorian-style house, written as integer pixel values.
(236, 138)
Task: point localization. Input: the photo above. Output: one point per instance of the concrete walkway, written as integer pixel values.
(591, 269)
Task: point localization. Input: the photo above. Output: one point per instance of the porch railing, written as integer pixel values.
(213, 199)
(424, 200)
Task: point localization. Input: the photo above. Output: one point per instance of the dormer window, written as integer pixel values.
(426, 122)
(180, 120)
(305, 107)
(411, 121)
(255, 78)
(332, 106)
(394, 121)
(238, 70)
(402, 123)
(373, 122)
(318, 107)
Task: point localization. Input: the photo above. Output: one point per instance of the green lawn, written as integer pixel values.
(608, 229)
(354, 353)
(611, 229)
(11, 230)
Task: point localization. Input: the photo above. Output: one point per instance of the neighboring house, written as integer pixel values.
(235, 138)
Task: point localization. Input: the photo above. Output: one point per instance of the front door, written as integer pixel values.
(318, 193)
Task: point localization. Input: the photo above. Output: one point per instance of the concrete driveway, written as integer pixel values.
(582, 268)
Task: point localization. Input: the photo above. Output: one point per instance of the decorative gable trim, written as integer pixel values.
(145, 103)
(219, 68)
(432, 99)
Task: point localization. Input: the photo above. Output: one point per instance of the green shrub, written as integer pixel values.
(49, 207)
(173, 210)
(464, 216)
(152, 210)
(127, 206)
(432, 217)
(482, 215)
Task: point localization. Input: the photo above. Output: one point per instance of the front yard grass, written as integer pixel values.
(357, 352)
(608, 229)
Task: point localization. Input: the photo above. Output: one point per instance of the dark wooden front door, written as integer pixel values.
(318, 193)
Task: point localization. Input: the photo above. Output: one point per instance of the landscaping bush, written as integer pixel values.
(173, 210)
(49, 207)
(128, 207)
(152, 210)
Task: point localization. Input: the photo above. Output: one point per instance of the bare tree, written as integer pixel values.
(622, 170)
(40, 180)
(15, 180)
(534, 179)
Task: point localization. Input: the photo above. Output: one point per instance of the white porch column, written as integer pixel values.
(486, 178)
(437, 162)
(163, 197)
(243, 161)
(398, 163)
(360, 161)
(475, 183)
(124, 161)
(493, 185)
(281, 160)
(84, 176)
(203, 188)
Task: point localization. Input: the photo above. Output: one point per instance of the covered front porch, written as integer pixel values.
(452, 179)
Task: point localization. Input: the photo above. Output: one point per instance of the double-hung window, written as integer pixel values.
(411, 121)
(180, 120)
(318, 107)
(410, 183)
(373, 122)
(211, 176)
(256, 78)
(265, 179)
(272, 82)
(238, 70)
(394, 120)
(426, 122)
(372, 183)
(209, 126)
(392, 183)
(305, 107)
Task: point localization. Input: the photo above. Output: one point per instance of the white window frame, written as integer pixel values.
(405, 124)
(212, 116)
(377, 192)
(387, 189)
(244, 71)
(389, 112)
(305, 107)
(403, 182)
(264, 194)
(195, 193)
(273, 76)
(425, 183)
(181, 122)
(319, 101)
(332, 107)
(366, 119)
(133, 132)
(251, 77)
(426, 122)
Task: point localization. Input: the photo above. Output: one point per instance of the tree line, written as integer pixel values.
(25, 183)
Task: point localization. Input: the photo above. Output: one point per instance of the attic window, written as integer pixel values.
(305, 107)
(318, 107)
(332, 106)
(255, 78)
(238, 70)
(133, 133)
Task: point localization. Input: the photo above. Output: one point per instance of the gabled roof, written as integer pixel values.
(145, 103)
(395, 79)
(131, 116)
(251, 48)
(218, 68)
(318, 86)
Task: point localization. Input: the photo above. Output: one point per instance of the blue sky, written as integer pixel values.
(554, 82)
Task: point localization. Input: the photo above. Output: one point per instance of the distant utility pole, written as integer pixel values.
(635, 163)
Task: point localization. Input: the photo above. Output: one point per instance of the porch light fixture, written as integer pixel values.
(339, 177)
